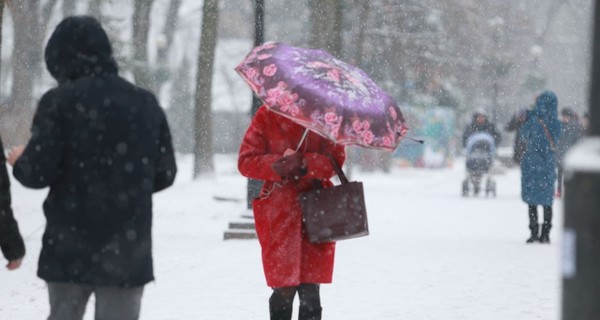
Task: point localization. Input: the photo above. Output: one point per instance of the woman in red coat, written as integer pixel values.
(290, 262)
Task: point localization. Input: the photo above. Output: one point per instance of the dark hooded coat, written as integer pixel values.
(571, 132)
(103, 147)
(540, 132)
(11, 242)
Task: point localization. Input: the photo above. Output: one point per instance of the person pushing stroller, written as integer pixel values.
(480, 139)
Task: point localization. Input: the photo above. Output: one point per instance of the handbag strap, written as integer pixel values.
(552, 146)
(338, 170)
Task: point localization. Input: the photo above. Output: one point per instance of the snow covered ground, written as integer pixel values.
(431, 254)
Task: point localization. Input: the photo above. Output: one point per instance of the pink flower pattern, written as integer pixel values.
(331, 118)
(334, 75)
(270, 70)
(393, 113)
(367, 136)
(383, 128)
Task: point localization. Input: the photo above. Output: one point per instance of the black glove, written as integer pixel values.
(290, 167)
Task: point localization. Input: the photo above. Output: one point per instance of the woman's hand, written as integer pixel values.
(14, 154)
(292, 166)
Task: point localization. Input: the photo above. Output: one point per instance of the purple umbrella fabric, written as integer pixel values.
(324, 94)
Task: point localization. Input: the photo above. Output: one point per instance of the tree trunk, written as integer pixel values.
(26, 60)
(203, 150)
(95, 9)
(2, 3)
(326, 24)
(169, 31)
(2, 105)
(69, 7)
(365, 10)
(181, 111)
(141, 26)
(163, 49)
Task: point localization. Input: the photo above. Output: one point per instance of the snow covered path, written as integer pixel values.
(431, 254)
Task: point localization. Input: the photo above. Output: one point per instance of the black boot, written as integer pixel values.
(534, 233)
(533, 224)
(307, 313)
(545, 237)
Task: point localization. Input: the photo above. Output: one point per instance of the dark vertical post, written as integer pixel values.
(259, 38)
(594, 129)
(581, 236)
(259, 27)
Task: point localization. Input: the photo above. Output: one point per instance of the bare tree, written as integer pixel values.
(169, 30)
(141, 27)
(181, 112)
(95, 9)
(326, 24)
(30, 18)
(69, 7)
(2, 3)
(164, 47)
(203, 150)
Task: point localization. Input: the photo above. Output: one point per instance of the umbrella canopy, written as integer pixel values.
(324, 94)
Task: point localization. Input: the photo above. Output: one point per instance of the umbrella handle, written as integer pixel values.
(415, 140)
(302, 139)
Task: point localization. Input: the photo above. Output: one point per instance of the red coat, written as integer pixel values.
(288, 257)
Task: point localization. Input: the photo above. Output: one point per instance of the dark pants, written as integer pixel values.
(282, 299)
(68, 301)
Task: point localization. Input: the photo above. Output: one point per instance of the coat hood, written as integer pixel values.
(79, 47)
(546, 105)
(546, 109)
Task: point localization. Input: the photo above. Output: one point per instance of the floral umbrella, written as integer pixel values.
(324, 94)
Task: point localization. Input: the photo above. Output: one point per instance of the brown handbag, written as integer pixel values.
(335, 213)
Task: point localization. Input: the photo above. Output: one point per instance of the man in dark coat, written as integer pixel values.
(11, 241)
(103, 147)
(571, 132)
(514, 124)
(480, 123)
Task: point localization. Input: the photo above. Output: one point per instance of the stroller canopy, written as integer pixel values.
(479, 139)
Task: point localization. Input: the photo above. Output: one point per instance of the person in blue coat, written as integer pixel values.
(540, 132)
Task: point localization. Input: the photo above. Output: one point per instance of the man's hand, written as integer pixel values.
(14, 154)
(14, 264)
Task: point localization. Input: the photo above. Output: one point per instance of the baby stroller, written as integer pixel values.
(481, 149)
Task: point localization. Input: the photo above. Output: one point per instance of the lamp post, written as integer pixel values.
(581, 236)
(245, 230)
(535, 81)
(496, 23)
(259, 27)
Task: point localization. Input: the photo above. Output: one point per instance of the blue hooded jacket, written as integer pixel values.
(540, 132)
